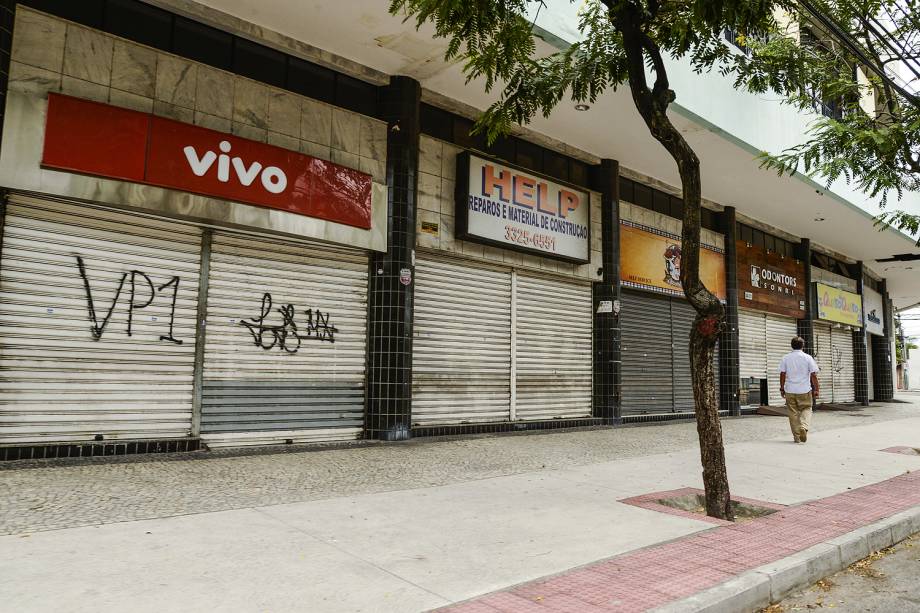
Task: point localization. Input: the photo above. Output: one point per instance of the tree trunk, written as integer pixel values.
(708, 325)
(652, 104)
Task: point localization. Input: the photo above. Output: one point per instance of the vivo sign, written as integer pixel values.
(273, 178)
(122, 144)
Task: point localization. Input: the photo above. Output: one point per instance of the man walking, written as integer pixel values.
(798, 380)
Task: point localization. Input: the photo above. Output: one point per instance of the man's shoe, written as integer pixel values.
(804, 435)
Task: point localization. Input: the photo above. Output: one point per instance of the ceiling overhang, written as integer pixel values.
(362, 33)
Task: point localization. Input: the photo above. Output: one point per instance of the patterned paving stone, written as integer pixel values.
(54, 494)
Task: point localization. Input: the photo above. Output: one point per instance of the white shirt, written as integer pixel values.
(798, 367)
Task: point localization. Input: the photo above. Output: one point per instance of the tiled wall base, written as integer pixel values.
(88, 450)
(508, 426)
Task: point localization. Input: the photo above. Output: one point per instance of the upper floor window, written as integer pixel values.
(827, 105)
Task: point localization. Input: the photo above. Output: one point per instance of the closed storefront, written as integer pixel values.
(655, 319)
(655, 345)
(552, 363)
(98, 315)
(752, 344)
(780, 332)
(771, 291)
(161, 280)
(461, 353)
(487, 347)
(764, 339)
(834, 354)
(284, 356)
(99, 310)
(503, 302)
(839, 312)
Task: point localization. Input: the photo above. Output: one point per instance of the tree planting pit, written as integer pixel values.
(696, 503)
(903, 450)
(689, 502)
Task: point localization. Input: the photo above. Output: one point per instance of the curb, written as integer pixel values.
(757, 588)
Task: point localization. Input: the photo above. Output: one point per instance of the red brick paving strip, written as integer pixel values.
(654, 576)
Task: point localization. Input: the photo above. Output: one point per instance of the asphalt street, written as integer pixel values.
(886, 582)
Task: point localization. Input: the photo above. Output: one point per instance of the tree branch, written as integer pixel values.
(661, 91)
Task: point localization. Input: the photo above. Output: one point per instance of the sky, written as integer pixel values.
(910, 320)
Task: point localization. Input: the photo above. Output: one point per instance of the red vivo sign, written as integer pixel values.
(107, 141)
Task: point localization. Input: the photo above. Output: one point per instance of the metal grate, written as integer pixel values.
(638, 419)
(88, 450)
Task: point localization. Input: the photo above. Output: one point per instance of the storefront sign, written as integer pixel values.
(838, 305)
(770, 282)
(650, 260)
(512, 208)
(873, 306)
(102, 140)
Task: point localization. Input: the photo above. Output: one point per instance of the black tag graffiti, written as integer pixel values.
(97, 329)
(174, 282)
(287, 336)
(133, 305)
(320, 328)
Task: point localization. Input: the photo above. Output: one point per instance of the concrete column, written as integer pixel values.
(882, 354)
(607, 364)
(806, 326)
(392, 274)
(729, 350)
(860, 353)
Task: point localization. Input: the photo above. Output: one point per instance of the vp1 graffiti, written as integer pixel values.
(836, 358)
(287, 336)
(140, 284)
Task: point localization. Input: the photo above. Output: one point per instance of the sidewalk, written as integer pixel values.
(421, 546)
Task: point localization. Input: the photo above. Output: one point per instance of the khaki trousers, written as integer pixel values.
(799, 406)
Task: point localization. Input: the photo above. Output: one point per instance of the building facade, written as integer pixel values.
(213, 235)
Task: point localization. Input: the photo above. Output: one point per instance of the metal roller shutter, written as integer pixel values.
(284, 354)
(824, 357)
(552, 359)
(98, 309)
(461, 362)
(752, 345)
(682, 317)
(780, 332)
(647, 353)
(844, 371)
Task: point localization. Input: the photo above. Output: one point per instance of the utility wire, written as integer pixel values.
(899, 52)
(856, 49)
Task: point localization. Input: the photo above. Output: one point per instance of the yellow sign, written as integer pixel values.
(650, 260)
(839, 305)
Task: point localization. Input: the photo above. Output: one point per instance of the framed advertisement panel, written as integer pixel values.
(874, 311)
(770, 282)
(650, 260)
(838, 306)
(506, 206)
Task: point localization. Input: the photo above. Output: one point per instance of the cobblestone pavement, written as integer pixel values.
(54, 494)
(885, 581)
